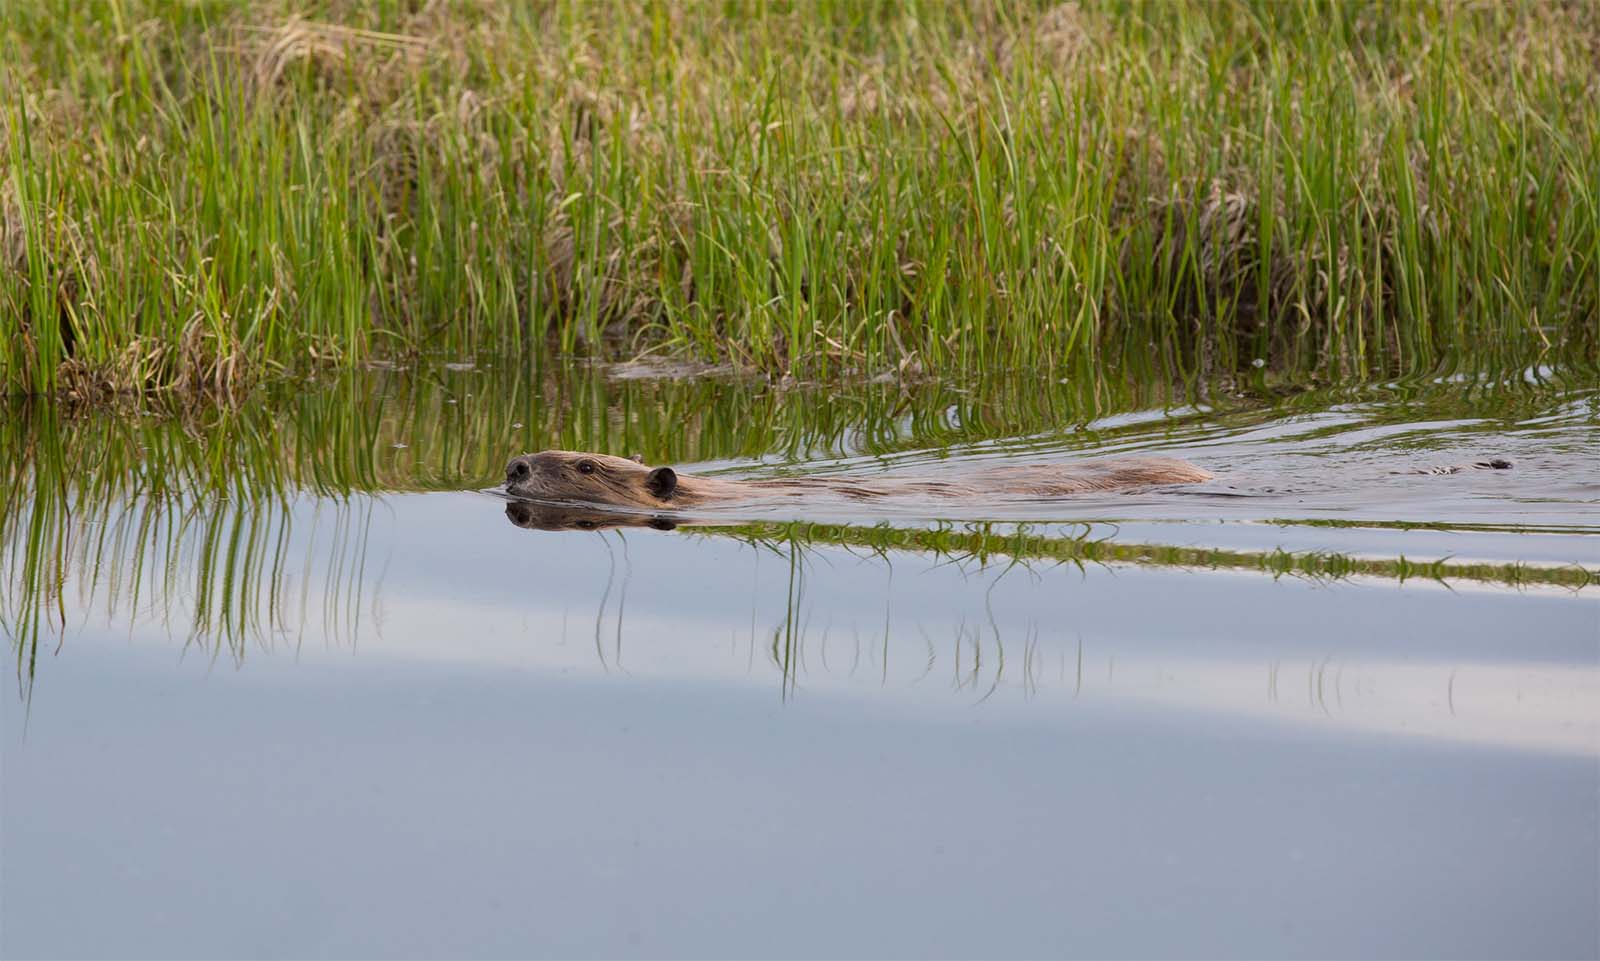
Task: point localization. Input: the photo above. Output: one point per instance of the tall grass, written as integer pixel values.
(201, 193)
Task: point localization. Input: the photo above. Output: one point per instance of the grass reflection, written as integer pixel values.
(188, 514)
(187, 510)
(987, 544)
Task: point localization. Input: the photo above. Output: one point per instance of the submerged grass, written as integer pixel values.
(200, 194)
(984, 543)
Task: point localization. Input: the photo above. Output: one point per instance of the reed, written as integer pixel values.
(202, 195)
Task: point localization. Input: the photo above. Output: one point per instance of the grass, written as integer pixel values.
(198, 195)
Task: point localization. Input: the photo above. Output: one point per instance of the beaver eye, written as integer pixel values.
(588, 525)
(586, 467)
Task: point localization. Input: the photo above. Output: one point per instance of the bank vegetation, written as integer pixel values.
(195, 195)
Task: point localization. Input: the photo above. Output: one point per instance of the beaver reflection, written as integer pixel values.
(561, 517)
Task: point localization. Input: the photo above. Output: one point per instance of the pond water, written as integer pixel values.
(290, 682)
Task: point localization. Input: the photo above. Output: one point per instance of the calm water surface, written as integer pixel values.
(288, 682)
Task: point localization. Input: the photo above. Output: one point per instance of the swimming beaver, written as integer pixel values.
(572, 476)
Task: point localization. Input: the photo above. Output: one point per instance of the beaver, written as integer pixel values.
(566, 476)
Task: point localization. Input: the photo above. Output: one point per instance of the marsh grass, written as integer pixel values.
(200, 195)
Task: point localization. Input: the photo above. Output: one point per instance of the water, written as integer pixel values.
(288, 683)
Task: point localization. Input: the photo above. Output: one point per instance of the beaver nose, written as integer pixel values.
(517, 470)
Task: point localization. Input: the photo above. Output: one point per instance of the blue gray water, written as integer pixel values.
(390, 723)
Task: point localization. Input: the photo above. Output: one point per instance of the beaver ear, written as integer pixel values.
(662, 482)
(636, 458)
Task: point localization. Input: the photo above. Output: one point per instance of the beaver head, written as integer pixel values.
(573, 476)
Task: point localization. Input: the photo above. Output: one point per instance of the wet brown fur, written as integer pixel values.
(599, 479)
